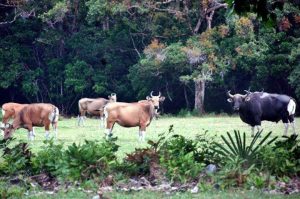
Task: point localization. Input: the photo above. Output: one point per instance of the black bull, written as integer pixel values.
(258, 106)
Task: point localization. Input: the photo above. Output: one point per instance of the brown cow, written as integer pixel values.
(10, 110)
(132, 114)
(93, 106)
(39, 114)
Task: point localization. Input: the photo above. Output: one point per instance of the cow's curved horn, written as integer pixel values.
(159, 94)
(248, 92)
(113, 94)
(229, 95)
(151, 94)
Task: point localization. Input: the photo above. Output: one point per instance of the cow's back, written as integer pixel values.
(92, 106)
(36, 113)
(11, 106)
(272, 107)
(97, 104)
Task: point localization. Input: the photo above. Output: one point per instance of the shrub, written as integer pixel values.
(277, 161)
(16, 159)
(145, 161)
(238, 148)
(140, 162)
(180, 157)
(11, 191)
(50, 159)
(90, 160)
(205, 149)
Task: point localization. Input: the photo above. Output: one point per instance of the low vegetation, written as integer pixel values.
(170, 163)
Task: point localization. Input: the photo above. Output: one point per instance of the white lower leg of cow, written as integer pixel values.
(286, 127)
(78, 120)
(33, 131)
(55, 132)
(140, 136)
(108, 133)
(101, 122)
(293, 126)
(30, 135)
(47, 135)
(143, 135)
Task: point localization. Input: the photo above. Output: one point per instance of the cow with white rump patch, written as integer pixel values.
(254, 107)
(132, 114)
(39, 114)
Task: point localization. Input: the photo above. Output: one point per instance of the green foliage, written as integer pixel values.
(180, 157)
(282, 159)
(11, 191)
(78, 75)
(277, 161)
(238, 148)
(89, 160)
(50, 159)
(16, 159)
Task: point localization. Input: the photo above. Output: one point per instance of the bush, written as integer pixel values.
(16, 159)
(277, 161)
(90, 160)
(206, 149)
(181, 158)
(11, 191)
(50, 159)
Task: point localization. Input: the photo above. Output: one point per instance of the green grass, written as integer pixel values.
(69, 132)
(230, 194)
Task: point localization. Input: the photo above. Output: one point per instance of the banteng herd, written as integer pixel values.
(253, 107)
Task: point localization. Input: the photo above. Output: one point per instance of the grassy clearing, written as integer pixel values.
(69, 132)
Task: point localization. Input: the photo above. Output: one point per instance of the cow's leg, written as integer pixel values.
(142, 133)
(78, 120)
(108, 130)
(54, 125)
(101, 121)
(252, 131)
(47, 129)
(293, 126)
(30, 132)
(286, 125)
(81, 120)
(292, 121)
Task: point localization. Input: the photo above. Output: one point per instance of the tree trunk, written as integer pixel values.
(186, 98)
(199, 96)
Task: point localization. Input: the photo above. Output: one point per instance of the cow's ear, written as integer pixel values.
(109, 97)
(247, 99)
(148, 98)
(229, 100)
(162, 98)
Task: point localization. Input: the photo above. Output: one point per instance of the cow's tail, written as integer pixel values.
(54, 116)
(105, 113)
(79, 107)
(291, 108)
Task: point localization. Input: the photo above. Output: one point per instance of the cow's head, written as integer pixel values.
(112, 97)
(237, 100)
(8, 130)
(155, 99)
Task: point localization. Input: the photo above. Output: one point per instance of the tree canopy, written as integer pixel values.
(192, 51)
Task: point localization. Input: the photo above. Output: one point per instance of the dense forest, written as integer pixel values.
(192, 51)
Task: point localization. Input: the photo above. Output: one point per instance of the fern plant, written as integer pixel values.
(236, 147)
